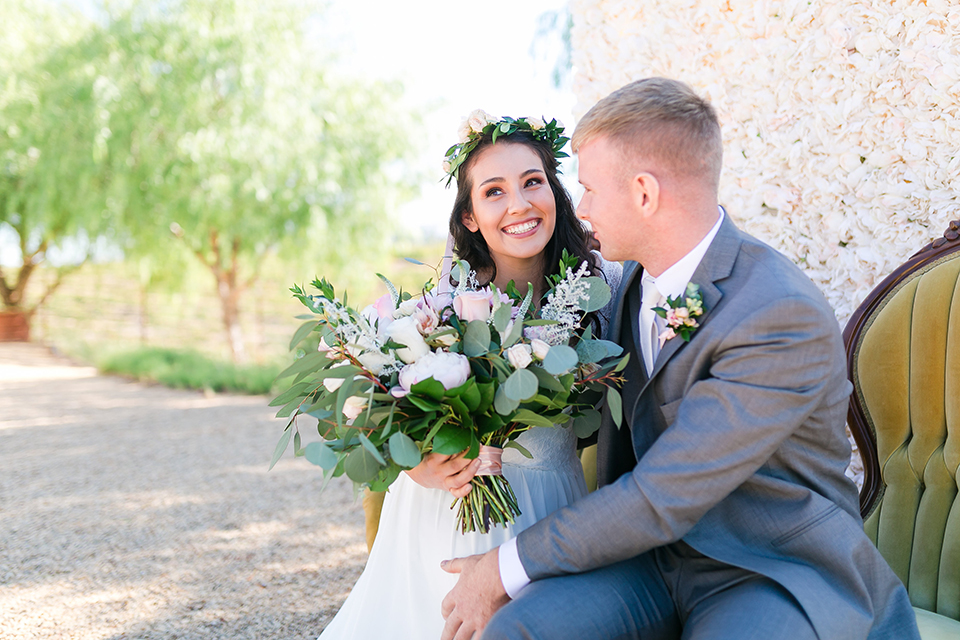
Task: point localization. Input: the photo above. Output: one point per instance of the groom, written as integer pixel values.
(724, 510)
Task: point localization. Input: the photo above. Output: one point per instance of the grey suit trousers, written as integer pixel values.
(670, 593)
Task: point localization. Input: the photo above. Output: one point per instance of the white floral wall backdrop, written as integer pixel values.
(841, 118)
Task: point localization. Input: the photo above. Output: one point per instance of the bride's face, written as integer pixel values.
(513, 204)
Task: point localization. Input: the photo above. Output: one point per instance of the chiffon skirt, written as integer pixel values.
(400, 591)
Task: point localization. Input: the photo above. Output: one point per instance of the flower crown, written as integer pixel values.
(480, 123)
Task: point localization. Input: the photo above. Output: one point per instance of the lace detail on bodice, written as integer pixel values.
(553, 448)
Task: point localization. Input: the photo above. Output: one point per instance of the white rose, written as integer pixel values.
(478, 119)
(406, 308)
(519, 356)
(446, 166)
(375, 361)
(536, 123)
(447, 340)
(463, 133)
(332, 384)
(449, 369)
(354, 406)
(539, 348)
(406, 332)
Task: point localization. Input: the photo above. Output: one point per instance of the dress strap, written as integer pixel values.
(444, 285)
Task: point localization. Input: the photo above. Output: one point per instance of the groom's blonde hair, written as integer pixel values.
(659, 120)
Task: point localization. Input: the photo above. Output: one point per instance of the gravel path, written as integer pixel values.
(131, 511)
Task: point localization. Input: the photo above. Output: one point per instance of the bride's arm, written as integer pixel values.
(449, 473)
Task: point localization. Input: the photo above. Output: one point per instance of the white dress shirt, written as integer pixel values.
(670, 283)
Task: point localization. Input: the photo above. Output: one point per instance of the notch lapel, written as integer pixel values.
(716, 265)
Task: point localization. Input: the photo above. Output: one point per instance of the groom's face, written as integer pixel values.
(607, 203)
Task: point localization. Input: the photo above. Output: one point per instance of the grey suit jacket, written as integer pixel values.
(739, 449)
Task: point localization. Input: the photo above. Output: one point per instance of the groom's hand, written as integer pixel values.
(478, 595)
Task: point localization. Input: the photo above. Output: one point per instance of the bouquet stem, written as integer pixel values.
(490, 502)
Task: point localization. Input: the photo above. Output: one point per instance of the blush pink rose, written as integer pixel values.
(472, 305)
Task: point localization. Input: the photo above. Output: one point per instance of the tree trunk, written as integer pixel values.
(230, 304)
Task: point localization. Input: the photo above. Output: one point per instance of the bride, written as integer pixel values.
(511, 220)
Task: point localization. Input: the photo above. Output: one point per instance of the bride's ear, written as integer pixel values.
(469, 222)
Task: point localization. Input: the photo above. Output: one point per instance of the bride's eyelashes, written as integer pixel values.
(496, 191)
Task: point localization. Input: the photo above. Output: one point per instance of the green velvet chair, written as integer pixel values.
(903, 356)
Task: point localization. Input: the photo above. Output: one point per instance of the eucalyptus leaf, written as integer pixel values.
(590, 351)
(513, 444)
(587, 423)
(404, 450)
(597, 296)
(615, 402)
(525, 416)
(504, 404)
(521, 385)
(546, 380)
(476, 340)
(302, 332)
(369, 446)
(281, 445)
(501, 317)
(560, 359)
(320, 454)
(360, 466)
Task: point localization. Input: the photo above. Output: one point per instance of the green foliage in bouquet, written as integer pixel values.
(446, 373)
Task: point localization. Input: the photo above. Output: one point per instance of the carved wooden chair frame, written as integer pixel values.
(863, 433)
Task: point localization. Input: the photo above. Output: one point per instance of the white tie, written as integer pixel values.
(649, 336)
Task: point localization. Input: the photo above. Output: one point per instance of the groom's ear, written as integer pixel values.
(645, 189)
(469, 222)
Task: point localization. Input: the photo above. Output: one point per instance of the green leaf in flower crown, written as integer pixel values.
(320, 454)
(451, 439)
(360, 466)
(597, 296)
(521, 385)
(503, 403)
(587, 423)
(404, 450)
(476, 340)
(560, 359)
(302, 332)
(281, 445)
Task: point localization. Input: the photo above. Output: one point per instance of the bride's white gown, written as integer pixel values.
(399, 593)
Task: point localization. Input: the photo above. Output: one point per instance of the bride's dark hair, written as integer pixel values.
(569, 233)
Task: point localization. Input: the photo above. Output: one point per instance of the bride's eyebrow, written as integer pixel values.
(522, 175)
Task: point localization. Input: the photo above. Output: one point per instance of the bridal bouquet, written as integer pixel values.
(465, 370)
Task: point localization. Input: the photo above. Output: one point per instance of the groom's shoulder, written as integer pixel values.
(763, 267)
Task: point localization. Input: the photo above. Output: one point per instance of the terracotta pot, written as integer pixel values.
(14, 327)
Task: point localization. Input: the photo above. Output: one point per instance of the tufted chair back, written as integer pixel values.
(903, 354)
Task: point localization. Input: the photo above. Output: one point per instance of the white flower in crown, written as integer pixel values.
(478, 119)
(446, 166)
(535, 123)
(464, 132)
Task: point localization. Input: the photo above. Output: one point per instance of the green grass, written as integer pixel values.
(185, 369)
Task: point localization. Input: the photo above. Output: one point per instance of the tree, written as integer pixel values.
(48, 177)
(209, 125)
(225, 130)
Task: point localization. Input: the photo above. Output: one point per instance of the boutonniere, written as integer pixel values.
(681, 313)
